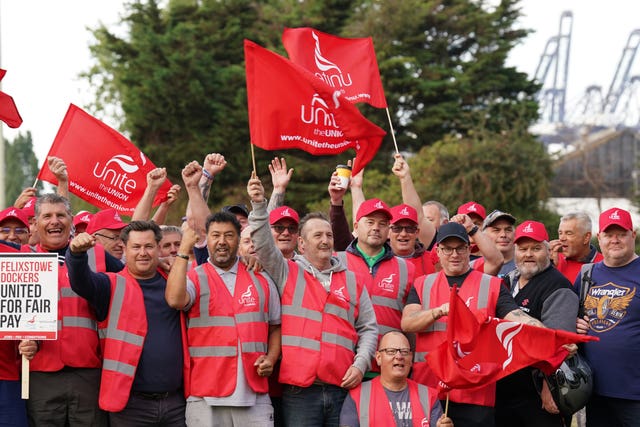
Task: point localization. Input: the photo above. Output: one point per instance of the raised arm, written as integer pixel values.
(155, 178)
(160, 216)
(357, 195)
(198, 210)
(58, 168)
(280, 178)
(176, 291)
(268, 254)
(339, 225)
(410, 197)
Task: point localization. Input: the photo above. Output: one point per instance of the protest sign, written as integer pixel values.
(28, 296)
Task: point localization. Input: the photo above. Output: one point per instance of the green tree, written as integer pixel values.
(21, 166)
(443, 66)
(176, 77)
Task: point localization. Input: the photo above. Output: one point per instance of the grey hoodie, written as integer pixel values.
(277, 267)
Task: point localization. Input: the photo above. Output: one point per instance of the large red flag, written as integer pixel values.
(290, 108)
(8, 110)
(348, 64)
(104, 167)
(481, 352)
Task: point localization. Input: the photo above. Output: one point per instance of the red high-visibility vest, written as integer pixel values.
(217, 321)
(122, 336)
(318, 334)
(373, 407)
(77, 344)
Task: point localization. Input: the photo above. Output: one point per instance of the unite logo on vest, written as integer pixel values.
(247, 299)
(386, 284)
(340, 294)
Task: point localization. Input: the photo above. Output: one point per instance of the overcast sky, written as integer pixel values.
(44, 46)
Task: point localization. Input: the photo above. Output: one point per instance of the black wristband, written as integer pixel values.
(183, 256)
(473, 230)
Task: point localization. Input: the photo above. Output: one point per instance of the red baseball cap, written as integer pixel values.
(533, 230)
(283, 212)
(13, 212)
(29, 208)
(615, 216)
(403, 211)
(473, 208)
(107, 218)
(373, 205)
(82, 217)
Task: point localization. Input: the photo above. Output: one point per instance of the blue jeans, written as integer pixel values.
(317, 405)
(612, 412)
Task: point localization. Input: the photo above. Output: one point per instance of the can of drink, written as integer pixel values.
(344, 172)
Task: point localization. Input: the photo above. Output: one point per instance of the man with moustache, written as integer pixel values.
(544, 293)
(428, 303)
(233, 325)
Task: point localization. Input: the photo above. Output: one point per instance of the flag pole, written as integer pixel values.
(393, 133)
(253, 159)
(35, 183)
(446, 406)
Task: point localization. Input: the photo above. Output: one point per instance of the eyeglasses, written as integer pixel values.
(112, 238)
(408, 228)
(293, 229)
(460, 250)
(19, 231)
(394, 351)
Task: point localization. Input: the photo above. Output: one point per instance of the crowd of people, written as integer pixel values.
(262, 316)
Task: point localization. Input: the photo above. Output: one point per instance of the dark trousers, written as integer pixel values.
(65, 398)
(151, 410)
(612, 412)
(527, 412)
(316, 405)
(13, 412)
(465, 415)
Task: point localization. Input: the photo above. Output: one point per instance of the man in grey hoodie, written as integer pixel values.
(329, 329)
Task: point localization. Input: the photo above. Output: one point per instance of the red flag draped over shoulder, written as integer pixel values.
(348, 64)
(8, 110)
(290, 108)
(479, 352)
(105, 168)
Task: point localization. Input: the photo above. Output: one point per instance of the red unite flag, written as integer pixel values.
(481, 352)
(105, 168)
(290, 108)
(8, 110)
(348, 64)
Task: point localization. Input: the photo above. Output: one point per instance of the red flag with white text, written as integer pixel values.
(481, 352)
(290, 108)
(347, 64)
(104, 168)
(8, 110)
